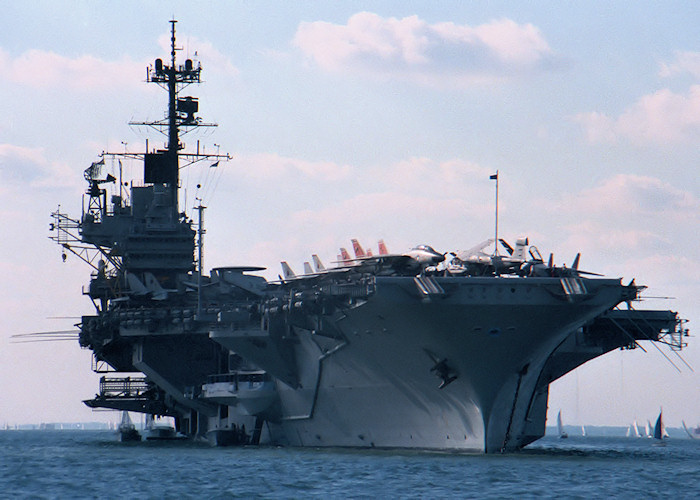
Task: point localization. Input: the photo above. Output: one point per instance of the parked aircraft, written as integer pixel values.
(477, 262)
(287, 271)
(424, 255)
(416, 259)
(537, 267)
(320, 271)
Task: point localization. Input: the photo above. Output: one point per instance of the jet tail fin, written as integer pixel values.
(135, 284)
(357, 248)
(382, 248)
(520, 247)
(345, 256)
(317, 263)
(307, 268)
(287, 271)
(574, 265)
(154, 287)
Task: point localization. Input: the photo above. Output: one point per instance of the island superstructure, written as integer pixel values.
(413, 350)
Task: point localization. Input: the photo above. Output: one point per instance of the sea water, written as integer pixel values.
(94, 464)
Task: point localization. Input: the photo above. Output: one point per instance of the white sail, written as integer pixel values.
(560, 427)
(692, 436)
(647, 429)
(126, 422)
(635, 429)
(127, 429)
(583, 430)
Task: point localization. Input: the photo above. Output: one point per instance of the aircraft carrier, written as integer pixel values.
(413, 350)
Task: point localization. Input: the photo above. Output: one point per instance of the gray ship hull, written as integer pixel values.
(378, 385)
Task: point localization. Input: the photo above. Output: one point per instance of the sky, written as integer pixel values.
(369, 120)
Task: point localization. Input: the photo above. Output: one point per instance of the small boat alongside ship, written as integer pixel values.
(159, 431)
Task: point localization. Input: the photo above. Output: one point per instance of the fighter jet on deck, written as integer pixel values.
(415, 260)
(520, 260)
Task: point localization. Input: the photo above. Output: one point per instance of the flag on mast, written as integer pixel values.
(495, 240)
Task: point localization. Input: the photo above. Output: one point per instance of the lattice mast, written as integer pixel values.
(145, 233)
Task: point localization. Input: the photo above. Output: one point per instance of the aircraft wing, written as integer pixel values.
(394, 260)
(465, 254)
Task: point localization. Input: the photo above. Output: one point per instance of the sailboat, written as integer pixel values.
(636, 430)
(583, 430)
(647, 430)
(692, 435)
(127, 430)
(659, 430)
(560, 427)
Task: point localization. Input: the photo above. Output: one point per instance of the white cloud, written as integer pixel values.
(447, 178)
(663, 117)
(628, 217)
(519, 45)
(406, 203)
(368, 208)
(423, 176)
(658, 265)
(270, 166)
(635, 195)
(29, 167)
(43, 69)
(685, 62)
(402, 219)
(414, 198)
(441, 54)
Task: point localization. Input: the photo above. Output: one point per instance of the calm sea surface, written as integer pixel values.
(92, 464)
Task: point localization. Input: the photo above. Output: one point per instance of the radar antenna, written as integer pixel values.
(162, 166)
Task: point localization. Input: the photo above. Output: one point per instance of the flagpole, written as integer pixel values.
(495, 251)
